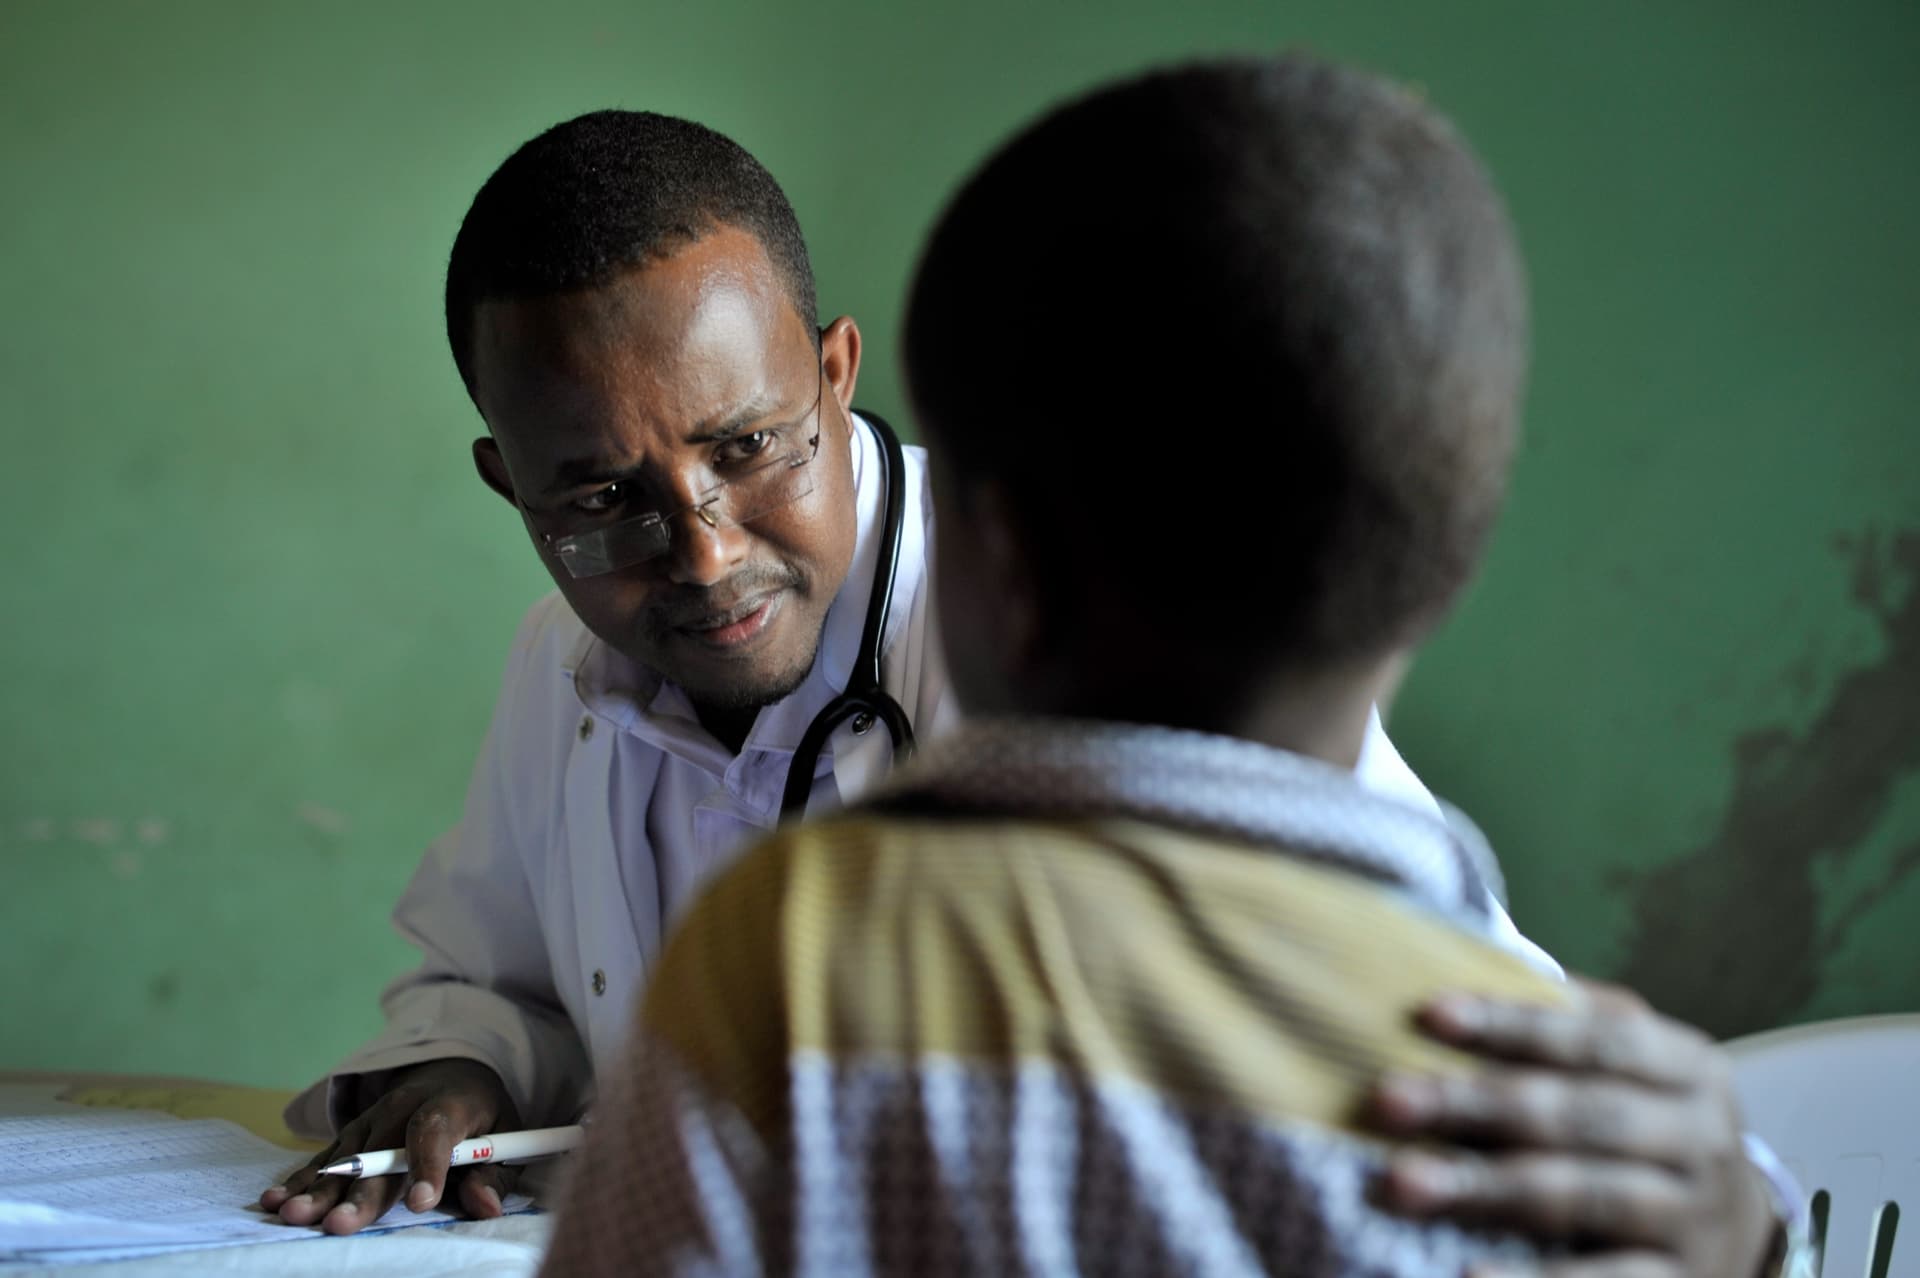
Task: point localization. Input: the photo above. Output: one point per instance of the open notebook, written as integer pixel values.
(83, 1184)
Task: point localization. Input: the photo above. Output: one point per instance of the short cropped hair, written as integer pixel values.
(1243, 341)
(602, 193)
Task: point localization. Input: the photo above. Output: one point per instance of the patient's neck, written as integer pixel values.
(1322, 715)
(1321, 712)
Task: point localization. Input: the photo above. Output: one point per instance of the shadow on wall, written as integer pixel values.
(1728, 936)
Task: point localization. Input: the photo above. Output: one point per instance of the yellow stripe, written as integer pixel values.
(1202, 969)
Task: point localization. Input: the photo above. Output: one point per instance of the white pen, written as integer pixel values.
(501, 1147)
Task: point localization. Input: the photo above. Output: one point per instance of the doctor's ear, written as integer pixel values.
(493, 468)
(840, 358)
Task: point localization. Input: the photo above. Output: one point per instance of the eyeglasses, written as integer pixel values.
(755, 484)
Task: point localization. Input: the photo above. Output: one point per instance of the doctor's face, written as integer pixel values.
(642, 397)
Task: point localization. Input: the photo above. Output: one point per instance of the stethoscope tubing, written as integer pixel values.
(865, 693)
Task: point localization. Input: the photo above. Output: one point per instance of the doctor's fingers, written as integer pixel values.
(306, 1196)
(1517, 1108)
(432, 1132)
(382, 1125)
(343, 1205)
(483, 1190)
(362, 1202)
(1603, 1030)
(301, 1182)
(326, 1201)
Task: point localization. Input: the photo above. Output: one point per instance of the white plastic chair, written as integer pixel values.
(1839, 1102)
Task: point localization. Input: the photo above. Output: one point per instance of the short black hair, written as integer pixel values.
(604, 192)
(1244, 342)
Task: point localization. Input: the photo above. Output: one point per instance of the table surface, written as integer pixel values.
(509, 1247)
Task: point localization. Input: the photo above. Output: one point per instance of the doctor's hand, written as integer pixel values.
(428, 1110)
(1601, 1127)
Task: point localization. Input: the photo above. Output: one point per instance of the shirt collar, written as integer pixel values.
(1220, 786)
(635, 697)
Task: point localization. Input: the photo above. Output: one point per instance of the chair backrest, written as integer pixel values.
(1839, 1102)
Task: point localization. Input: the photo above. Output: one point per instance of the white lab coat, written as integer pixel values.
(537, 919)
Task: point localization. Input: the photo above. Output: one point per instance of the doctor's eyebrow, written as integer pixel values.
(579, 472)
(742, 418)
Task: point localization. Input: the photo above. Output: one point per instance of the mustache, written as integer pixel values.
(704, 607)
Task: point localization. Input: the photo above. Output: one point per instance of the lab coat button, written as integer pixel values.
(586, 727)
(862, 724)
(599, 981)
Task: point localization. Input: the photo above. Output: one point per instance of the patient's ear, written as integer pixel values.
(493, 468)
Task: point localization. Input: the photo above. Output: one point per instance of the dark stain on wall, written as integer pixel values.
(1727, 935)
(163, 989)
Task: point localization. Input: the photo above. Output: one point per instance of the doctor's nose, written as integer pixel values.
(704, 552)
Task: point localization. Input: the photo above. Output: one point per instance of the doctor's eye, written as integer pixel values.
(746, 446)
(602, 499)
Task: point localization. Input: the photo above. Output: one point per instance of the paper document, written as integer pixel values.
(83, 1184)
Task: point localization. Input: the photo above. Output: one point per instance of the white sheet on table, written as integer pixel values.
(79, 1184)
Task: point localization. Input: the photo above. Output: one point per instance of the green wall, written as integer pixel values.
(255, 604)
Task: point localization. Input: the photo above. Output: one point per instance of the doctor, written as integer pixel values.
(631, 307)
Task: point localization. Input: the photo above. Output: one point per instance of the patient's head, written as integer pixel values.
(1221, 367)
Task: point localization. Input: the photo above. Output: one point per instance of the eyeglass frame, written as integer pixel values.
(561, 547)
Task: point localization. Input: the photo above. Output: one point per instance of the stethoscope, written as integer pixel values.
(865, 696)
